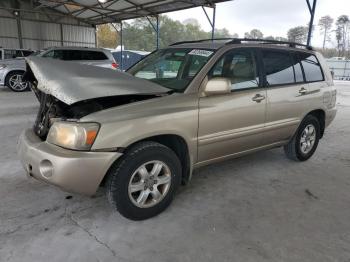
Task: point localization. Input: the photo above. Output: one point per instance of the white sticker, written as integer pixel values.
(201, 52)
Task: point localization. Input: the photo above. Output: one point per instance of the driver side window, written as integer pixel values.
(240, 67)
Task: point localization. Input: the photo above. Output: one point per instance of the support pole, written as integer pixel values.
(19, 30)
(312, 14)
(155, 28)
(211, 21)
(157, 31)
(61, 33)
(213, 24)
(121, 45)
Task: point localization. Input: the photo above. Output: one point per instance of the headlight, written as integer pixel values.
(73, 135)
(2, 66)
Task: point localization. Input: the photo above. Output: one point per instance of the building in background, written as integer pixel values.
(29, 26)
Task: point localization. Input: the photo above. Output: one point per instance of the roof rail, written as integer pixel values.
(240, 40)
(200, 40)
(267, 41)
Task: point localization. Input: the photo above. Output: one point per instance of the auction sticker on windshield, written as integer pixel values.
(201, 52)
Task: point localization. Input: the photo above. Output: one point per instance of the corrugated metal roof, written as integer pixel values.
(95, 12)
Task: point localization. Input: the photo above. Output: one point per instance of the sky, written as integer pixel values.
(272, 17)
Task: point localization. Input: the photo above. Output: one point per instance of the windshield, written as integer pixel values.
(172, 68)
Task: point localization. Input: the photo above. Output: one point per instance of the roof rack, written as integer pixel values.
(240, 40)
(267, 41)
(201, 40)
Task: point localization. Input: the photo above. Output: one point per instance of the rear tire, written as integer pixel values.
(143, 182)
(14, 82)
(304, 142)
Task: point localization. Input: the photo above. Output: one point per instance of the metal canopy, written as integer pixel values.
(95, 12)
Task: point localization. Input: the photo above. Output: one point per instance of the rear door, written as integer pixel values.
(232, 123)
(286, 89)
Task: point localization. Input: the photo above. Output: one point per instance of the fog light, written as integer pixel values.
(46, 168)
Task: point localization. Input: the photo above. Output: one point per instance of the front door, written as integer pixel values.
(234, 122)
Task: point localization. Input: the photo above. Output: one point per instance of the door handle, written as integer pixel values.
(303, 91)
(258, 98)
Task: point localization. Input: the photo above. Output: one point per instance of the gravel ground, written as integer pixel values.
(261, 207)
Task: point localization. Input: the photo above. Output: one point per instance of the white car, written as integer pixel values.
(10, 53)
(12, 70)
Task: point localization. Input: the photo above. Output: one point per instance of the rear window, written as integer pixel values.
(75, 55)
(311, 66)
(278, 67)
(93, 55)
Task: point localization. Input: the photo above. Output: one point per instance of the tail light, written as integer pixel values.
(115, 65)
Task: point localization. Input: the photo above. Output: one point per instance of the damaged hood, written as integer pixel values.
(71, 82)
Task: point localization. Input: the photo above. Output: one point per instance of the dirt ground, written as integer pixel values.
(261, 207)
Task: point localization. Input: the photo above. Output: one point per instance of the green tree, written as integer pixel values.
(342, 33)
(297, 34)
(254, 34)
(106, 36)
(325, 24)
(140, 35)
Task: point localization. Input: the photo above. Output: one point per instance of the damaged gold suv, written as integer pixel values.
(141, 133)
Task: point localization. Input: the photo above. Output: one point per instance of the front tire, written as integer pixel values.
(304, 143)
(143, 182)
(14, 82)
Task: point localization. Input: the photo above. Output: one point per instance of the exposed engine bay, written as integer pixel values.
(52, 109)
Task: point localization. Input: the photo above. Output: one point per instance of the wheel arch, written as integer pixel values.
(6, 78)
(321, 117)
(176, 143)
(13, 71)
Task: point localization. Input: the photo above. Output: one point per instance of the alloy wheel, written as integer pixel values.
(149, 184)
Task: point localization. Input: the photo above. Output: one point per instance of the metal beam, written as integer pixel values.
(211, 21)
(157, 45)
(19, 30)
(156, 29)
(121, 46)
(312, 10)
(61, 31)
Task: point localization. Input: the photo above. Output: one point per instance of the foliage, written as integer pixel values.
(298, 34)
(342, 29)
(140, 35)
(254, 34)
(106, 36)
(325, 24)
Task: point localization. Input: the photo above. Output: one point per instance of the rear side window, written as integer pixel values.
(312, 68)
(278, 67)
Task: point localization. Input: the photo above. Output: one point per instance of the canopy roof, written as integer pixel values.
(96, 12)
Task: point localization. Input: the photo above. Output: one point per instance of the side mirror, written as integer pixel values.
(218, 86)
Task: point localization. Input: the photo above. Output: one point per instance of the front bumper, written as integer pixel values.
(73, 171)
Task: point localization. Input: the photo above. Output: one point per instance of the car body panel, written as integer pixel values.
(72, 83)
(230, 123)
(106, 63)
(75, 171)
(214, 127)
(17, 64)
(176, 114)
